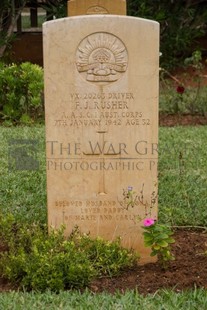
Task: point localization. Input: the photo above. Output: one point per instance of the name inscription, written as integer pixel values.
(101, 109)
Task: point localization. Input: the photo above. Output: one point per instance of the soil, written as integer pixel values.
(189, 269)
(170, 120)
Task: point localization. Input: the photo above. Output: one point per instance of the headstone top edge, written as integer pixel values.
(103, 16)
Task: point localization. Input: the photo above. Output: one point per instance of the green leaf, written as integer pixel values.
(162, 236)
(162, 243)
(170, 240)
(148, 238)
(147, 233)
(148, 243)
(153, 253)
(156, 247)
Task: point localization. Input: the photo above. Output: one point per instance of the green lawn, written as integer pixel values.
(23, 192)
(183, 175)
(163, 300)
(182, 201)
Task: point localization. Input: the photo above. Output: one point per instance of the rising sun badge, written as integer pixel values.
(101, 58)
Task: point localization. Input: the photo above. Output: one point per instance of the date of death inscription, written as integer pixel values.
(104, 109)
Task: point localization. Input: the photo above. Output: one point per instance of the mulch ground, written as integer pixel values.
(170, 120)
(187, 271)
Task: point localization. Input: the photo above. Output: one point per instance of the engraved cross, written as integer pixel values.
(102, 149)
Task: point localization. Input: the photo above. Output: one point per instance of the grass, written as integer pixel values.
(182, 201)
(183, 175)
(23, 192)
(165, 300)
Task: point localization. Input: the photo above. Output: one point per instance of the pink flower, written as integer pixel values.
(149, 222)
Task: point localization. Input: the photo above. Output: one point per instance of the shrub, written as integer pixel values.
(108, 258)
(36, 260)
(21, 92)
(181, 24)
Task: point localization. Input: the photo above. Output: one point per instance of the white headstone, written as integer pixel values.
(101, 104)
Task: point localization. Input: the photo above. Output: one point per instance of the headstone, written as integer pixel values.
(101, 105)
(91, 7)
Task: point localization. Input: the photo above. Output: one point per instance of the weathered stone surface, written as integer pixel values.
(91, 7)
(101, 102)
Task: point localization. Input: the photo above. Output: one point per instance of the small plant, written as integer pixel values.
(132, 199)
(195, 61)
(158, 237)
